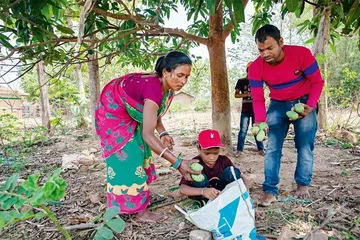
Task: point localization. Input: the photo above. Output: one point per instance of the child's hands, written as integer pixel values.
(210, 193)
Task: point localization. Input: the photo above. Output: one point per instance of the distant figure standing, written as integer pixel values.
(293, 76)
(242, 90)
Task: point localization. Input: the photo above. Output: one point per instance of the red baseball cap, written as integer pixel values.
(209, 138)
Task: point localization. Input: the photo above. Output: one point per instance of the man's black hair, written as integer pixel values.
(267, 31)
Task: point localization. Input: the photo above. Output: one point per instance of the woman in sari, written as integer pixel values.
(128, 112)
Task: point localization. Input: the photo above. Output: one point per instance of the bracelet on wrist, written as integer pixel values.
(163, 134)
(163, 151)
(177, 163)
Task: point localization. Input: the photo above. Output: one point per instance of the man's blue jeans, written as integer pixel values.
(305, 131)
(244, 126)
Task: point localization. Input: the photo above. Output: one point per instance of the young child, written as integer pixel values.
(216, 169)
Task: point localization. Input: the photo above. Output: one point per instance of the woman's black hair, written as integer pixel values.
(171, 61)
(267, 31)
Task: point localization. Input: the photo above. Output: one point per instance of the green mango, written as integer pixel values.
(292, 115)
(198, 178)
(261, 135)
(299, 107)
(196, 167)
(263, 125)
(255, 130)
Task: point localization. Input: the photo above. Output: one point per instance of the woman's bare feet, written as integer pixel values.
(267, 199)
(302, 192)
(150, 217)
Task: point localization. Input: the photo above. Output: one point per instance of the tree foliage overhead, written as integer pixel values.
(130, 32)
(344, 15)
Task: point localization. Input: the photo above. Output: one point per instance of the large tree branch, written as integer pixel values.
(139, 20)
(69, 40)
(178, 33)
(228, 28)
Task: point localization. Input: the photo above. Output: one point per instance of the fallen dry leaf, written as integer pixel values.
(286, 234)
(80, 219)
(94, 197)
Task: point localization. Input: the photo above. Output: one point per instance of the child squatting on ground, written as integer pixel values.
(216, 169)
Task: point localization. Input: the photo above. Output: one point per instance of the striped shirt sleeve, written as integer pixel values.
(312, 73)
(257, 92)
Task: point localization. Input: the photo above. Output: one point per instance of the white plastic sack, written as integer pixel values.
(229, 216)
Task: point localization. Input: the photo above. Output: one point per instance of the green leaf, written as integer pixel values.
(105, 233)
(292, 5)
(47, 11)
(40, 215)
(151, 12)
(31, 183)
(311, 40)
(5, 216)
(353, 13)
(117, 225)
(19, 203)
(8, 203)
(10, 183)
(27, 215)
(4, 197)
(49, 188)
(239, 11)
(2, 223)
(64, 29)
(2, 36)
(36, 196)
(6, 44)
(211, 6)
(338, 10)
(111, 212)
(333, 48)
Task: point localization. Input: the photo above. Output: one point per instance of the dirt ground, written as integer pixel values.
(335, 187)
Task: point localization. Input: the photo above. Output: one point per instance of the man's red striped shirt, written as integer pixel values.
(296, 76)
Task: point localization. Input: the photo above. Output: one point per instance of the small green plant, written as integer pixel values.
(29, 199)
(346, 145)
(348, 236)
(112, 222)
(15, 141)
(80, 112)
(344, 173)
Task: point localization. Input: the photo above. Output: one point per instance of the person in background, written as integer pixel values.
(293, 76)
(242, 90)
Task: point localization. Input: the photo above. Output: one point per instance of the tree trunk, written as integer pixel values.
(44, 96)
(221, 114)
(322, 38)
(94, 86)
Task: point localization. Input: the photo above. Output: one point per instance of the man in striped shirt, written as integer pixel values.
(292, 75)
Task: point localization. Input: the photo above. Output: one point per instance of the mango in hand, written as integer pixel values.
(261, 136)
(196, 167)
(292, 115)
(255, 130)
(263, 126)
(299, 108)
(198, 178)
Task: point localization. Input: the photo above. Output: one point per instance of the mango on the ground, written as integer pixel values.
(299, 108)
(196, 167)
(261, 136)
(255, 130)
(292, 115)
(198, 178)
(263, 125)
